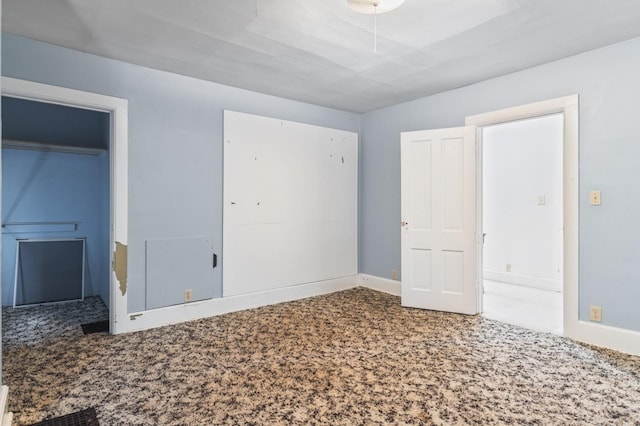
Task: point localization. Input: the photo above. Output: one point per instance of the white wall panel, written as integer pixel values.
(290, 203)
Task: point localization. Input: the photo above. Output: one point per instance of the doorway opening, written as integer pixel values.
(55, 219)
(522, 216)
(568, 108)
(442, 209)
(117, 110)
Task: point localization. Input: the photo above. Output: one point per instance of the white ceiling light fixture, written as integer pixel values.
(374, 7)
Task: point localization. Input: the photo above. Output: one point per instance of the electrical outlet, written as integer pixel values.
(542, 200)
(594, 198)
(595, 313)
(508, 268)
(394, 274)
(188, 296)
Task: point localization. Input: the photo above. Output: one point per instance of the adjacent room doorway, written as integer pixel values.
(522, 222)
(442, 212)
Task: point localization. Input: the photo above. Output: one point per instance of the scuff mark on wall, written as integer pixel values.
(120, 266)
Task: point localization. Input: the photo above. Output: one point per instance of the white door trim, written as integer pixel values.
(584, 331)
(568, 106)
(118, 155)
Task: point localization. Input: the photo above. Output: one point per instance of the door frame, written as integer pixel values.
(117, 109)
(569, 107)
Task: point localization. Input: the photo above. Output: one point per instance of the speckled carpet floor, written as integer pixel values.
(353, 357)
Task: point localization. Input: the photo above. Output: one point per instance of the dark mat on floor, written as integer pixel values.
(80, 418)
(96, 327)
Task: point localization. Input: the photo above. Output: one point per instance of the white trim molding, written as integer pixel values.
(569, 107)
(223, 305)
(384, 285)
(619, 339)
(208, 308)
(6, 416)
(119, 153)
(596, 334)
(522, 280)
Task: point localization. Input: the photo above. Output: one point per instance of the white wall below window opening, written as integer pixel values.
(522, 202)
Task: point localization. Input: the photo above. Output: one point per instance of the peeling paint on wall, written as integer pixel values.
(120, 266)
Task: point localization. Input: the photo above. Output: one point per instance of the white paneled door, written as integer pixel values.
(438, 237)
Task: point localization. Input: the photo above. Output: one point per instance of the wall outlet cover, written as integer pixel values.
(595, 313)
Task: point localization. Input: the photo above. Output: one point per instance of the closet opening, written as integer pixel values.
(55, 219)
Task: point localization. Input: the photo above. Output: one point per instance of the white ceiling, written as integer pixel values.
(321, 51)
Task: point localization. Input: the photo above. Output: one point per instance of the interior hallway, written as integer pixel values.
(528, 307)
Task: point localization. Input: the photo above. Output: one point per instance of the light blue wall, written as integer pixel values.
(175, 154)
(175, 140)
(40, 186)
(608, 82)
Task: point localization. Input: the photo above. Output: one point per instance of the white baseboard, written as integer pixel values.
(207, 308)
(380, 284)
(619, 339)
(524, 280)
(4, 399)
(6, 417)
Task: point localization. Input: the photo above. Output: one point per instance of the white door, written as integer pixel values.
(438, 237)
